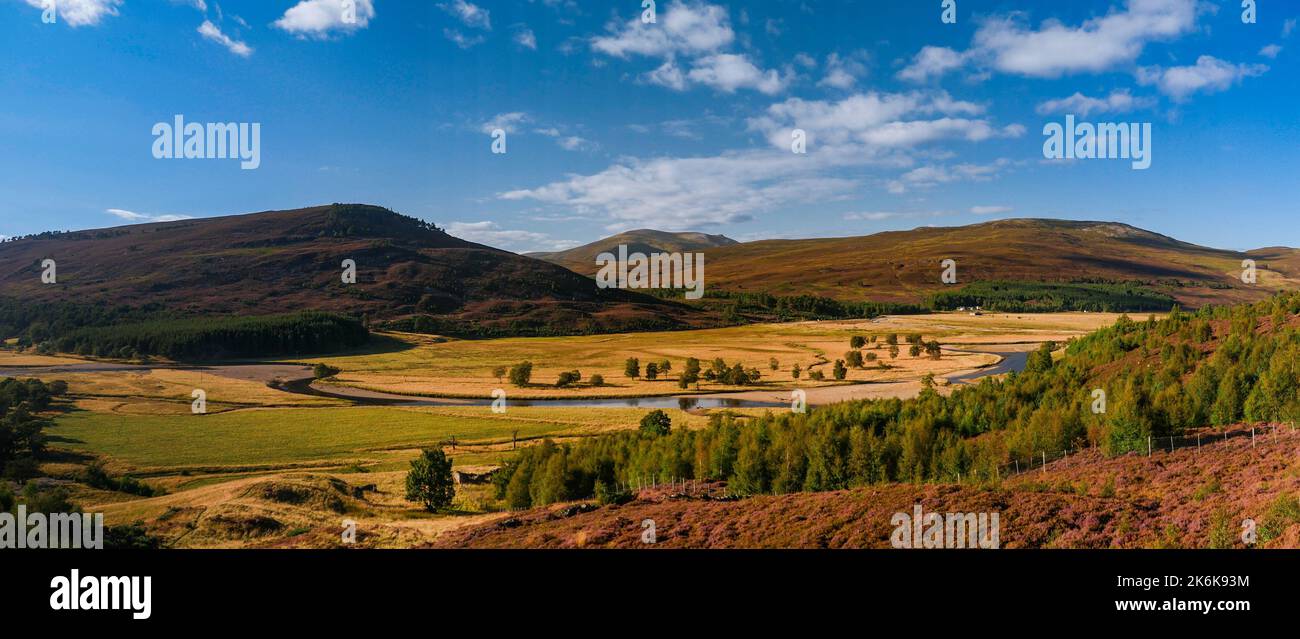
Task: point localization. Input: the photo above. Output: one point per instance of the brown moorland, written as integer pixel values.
(904, 266)
(285, 261)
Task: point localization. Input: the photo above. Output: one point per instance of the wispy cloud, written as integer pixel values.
(525, 38)
(991, 210)
(212, 32)
(1208, 75)
(1119, 101)
(469, 13)
(492, 234)
(132, 216)
(461, 40)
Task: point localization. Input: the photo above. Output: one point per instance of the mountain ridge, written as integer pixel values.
(290, 260)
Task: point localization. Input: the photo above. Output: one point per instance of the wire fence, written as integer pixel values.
(1167, 444)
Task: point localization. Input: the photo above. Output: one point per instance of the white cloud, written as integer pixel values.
(1270, 51)
(842, 72)
(567, 142)
(81, 13)
(990, 210)
(686, 193)
(508, 122)
(1288, 27)
(322, 18)
(931, 62)
(1119, 101)
(213, 33)
(685, 27)
(1208, 75)
(930, 176)
(878, 121)
(668, 75)
(469, 13)
(463, 41)
(1097, 45)
(728, 72)
(1009, 45)
(877, 216)
(132, 216)
(873, 216)
(492, 234)
(525, 38)
(860, 134)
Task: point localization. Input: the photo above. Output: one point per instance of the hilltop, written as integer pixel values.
(582, 259)
(905, 266)
(286, 261)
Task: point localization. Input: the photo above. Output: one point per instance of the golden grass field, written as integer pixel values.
(218, 469)
(463, 368)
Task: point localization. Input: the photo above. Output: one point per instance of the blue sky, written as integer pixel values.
(684, 124)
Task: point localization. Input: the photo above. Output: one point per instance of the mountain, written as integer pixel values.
(582, 259)
(282, 261)
(905, 266)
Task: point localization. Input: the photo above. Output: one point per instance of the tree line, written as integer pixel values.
(217, 338)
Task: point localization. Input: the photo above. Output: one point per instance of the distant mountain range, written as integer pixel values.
(414, 275)
(905, 266)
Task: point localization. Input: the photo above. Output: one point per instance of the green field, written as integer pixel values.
(286, 437)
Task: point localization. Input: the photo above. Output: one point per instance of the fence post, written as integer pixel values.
(1148, 445)
(1171, 443)
(1017, 461)
(1252, 436)
(1198, 441)
(1044, 462)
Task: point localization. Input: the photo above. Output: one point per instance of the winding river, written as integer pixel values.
(298, 379)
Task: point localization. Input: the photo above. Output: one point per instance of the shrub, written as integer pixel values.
(568, 378)
(632, 368)
(321, 371)
(656, 423)
(429, 481)
(521, 373)
(597, 380)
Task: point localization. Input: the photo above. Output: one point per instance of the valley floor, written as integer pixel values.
(266, 467)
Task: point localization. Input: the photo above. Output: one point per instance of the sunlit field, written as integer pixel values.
(464, 368)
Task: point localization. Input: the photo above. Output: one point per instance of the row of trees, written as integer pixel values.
(521, 375)
(1216, 367)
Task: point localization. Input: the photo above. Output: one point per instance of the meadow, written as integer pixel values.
(443, 367)
(267, 439)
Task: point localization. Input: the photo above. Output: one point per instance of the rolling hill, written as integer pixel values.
(582, 259)
(905, 266)
(286, 261)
